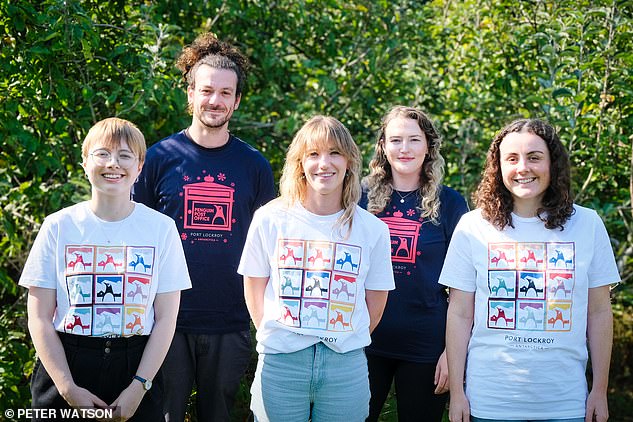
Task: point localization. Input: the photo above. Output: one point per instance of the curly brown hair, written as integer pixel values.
(208, 49)
(495, 200)
(378, 182)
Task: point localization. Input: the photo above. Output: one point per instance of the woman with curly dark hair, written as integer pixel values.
(404, 189)
(529, 274)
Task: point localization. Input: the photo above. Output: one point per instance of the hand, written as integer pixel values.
(80, 397)
(128, 401)
(597, 407)
(459, 408)
(441, 374)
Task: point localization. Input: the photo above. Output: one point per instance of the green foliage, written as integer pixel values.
(474, 65)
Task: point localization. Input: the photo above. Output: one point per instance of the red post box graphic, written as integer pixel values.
(208, 205)
(404, 237)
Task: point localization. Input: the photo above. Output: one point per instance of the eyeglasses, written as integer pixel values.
(103, 157)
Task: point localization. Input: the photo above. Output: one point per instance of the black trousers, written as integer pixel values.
(414, 389)
(105, 367)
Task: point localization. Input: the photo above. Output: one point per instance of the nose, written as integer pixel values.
(522, 164)
(213, 98)
(404, 146)
(114, 159)
(324, 160)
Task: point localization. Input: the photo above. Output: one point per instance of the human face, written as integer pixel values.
(213, 98)
(525, 170)
(324, 168)
(107, 177)
(405, 147)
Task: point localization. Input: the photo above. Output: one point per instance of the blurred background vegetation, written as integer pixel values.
(473, 65)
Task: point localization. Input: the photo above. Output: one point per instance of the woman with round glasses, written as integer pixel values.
(104, 279)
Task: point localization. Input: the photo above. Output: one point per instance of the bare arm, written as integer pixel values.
(600, 339)
(459, 322)
(41, 305)
(165, 313)
(441, 374)
(254, 288)
(376, 301)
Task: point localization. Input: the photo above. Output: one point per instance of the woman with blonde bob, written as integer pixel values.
(104, 279)
(316, 277)
(404, 189)
(529, 274)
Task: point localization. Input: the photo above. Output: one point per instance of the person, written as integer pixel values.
(404, 189)
(210, 182)
(529, 274)
(104, 279)
(316, 277)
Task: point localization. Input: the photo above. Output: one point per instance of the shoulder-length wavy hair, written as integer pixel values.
(496, 201)
(322, 132)
(380, 178)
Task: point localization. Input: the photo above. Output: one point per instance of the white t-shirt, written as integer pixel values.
(106, 274)
(317, 277)
(527, 352)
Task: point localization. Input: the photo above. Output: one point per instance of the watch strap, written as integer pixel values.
(146, 383)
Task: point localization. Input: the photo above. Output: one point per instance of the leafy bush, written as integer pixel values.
(473, 65)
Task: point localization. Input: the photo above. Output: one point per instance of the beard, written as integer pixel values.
(214, 122)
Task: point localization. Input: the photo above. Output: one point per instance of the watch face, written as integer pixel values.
(147, 384)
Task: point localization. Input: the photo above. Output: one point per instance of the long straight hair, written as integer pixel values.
(322, 132)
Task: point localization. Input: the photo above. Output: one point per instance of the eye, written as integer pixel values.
(126, 156)
(394, 140)
(335, 152)
(101, 154)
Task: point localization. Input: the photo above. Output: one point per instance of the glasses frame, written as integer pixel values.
(117, 158)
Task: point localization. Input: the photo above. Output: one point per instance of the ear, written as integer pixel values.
(190, 92)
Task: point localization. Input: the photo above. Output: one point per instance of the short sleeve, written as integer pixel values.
(380, 274)
(603, 269)
(459, 271)
(254, 261)
(40, 269)
(174, 274)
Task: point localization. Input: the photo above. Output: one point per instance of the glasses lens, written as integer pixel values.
(103, 158)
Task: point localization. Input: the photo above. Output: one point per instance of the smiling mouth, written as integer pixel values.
(324, 174)
(525, 181)
(112, 176)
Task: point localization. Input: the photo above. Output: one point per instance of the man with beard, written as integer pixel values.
(210, 182)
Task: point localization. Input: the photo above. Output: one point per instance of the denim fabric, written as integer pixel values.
(315, 383)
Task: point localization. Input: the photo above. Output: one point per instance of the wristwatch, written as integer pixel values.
(147, 384)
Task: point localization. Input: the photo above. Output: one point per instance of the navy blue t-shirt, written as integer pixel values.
(212, 194)
(413, 325)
